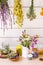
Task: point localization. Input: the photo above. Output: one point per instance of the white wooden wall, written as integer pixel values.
(33, 27)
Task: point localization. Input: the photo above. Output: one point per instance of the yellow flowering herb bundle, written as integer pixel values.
(18, 12)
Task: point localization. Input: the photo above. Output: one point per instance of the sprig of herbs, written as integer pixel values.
(31, 14)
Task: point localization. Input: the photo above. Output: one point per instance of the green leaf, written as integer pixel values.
(1, 1)
(31, 13)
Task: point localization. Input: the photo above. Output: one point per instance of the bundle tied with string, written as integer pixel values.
(31, 14)
(4, 12)
(18, 13)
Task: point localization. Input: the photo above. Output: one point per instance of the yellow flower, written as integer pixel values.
(37, 36)
(19, 49)
(18, 12)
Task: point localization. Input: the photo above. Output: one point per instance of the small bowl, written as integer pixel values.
(30, 56)
(14, 58)
(3, 56)
(35, 55)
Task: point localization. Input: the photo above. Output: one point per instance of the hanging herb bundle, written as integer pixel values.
(4, 11)
(41, 13)
(31, 15)
(18, 12)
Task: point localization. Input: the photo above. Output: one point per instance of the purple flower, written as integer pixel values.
(4, 12)
(35, 41)
(32, 45)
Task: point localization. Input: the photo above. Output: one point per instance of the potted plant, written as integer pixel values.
(5, 51)
(13, 56)
(27, 41)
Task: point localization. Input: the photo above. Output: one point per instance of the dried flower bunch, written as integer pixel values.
(27, 40)
(18, 12)
(41, 13)
(4, 11)
(31, 14)
(34, 40)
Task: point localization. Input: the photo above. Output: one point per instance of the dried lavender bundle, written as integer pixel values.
(4, 11)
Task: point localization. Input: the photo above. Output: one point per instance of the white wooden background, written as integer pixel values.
(33, 27)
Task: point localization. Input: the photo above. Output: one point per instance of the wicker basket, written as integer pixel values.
(16, 59)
